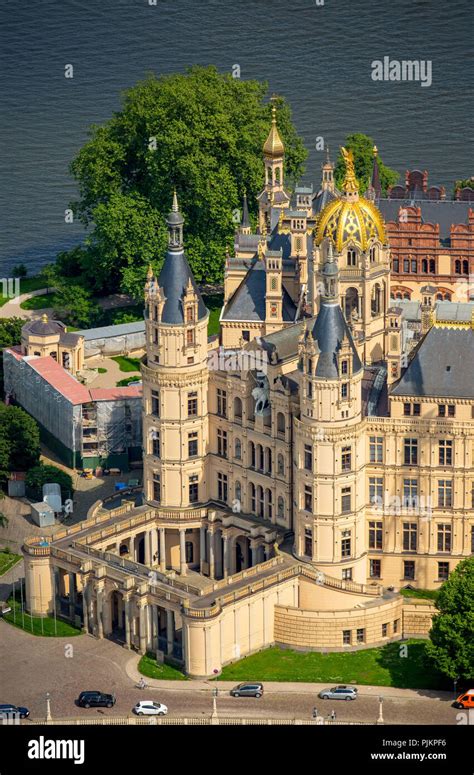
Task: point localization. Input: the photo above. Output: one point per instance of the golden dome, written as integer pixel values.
(274, 144)
(350, 218)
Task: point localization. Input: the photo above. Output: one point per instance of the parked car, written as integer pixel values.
(247, 690)
(465, 699)
(95, 700)
(339, 693)
(150, 708)
(12, 711)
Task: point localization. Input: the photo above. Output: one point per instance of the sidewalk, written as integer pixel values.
(276, 687)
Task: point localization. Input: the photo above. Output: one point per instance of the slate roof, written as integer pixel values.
(445, 212)
(442, 365)
(44, 328)
(284, 342)
(174, 277)
(329, 331)
(248, 301)
(321, 199)
(104, 332)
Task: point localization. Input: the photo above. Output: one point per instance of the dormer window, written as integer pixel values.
(351, 258)
(189, 315)
(344, 367)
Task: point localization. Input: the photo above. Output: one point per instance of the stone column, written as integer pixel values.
(128, 623)
(169, 630)
(154, 609)
(182, 553)
(100, 613)
(212, 572)
(85, 606)
(225, 558)
(72, 596)
(253, 550)
(143, 637)
(268, 551)
(162, 550)
(153, 546)
(202, 547)
(147, 544)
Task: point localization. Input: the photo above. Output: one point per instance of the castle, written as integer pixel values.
(298, 472)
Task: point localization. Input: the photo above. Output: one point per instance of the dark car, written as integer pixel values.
(12, 711)
(95, 700)
(247, 690)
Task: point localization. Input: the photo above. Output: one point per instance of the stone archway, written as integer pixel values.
(116, 616)
(241, 553)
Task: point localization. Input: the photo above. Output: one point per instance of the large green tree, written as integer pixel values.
(21, 434)
(201, 132)
(452, 635)
(43, 474)
(362, 148)
(10, 335)
(75, 306)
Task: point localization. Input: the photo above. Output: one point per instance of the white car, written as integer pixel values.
(150, 708)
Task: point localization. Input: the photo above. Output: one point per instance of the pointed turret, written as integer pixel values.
(273, 146)
(375, 188)
(245, 226)
(327, 182)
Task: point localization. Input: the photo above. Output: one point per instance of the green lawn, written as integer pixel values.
(7, 561)
(127, 364)
(36, 625)
(41, 302)
(127, 380)
(214, 304)
(384, 666)
(101, 370)
(148, 666)
(425, 594)
(26, 285)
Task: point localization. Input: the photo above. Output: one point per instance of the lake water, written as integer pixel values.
(319, 57)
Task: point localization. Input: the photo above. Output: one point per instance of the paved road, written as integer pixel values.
(30, 666)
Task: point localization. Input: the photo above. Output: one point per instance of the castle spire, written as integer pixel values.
(375, 184)
(350, 184)
(245, 227)
(174, 222)
(274, 144)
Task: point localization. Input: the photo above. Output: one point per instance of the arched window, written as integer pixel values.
(260, 501)
(465, 267)
(280, 422)
(351, 258)
(424, 266)
(268, 460)
(269, 505)
(252, 454)
(372, 254)
(457, 267)
(253, 505)
(439, 296)
(238, 491)
(432, 266)
(281, 507)
(406, 296)
(189, 547)
(260, 457)
(281, 464)
(310, 365)
(237, 409)
(238, 449)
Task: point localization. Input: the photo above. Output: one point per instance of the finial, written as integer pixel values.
(375, 150)
(149, 274)
(174, 206)
(350, 184)
(328, 160)
(44, 318)
(330, 252)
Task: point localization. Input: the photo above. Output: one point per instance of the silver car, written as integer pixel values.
(339, 693)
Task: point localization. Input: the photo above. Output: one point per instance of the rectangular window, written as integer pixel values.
(407, 410)
(376, 449)
(410, 493)
(155, 444)
(445, 452)
(406, 265)
(375, 569)
(346, 459)
(346, 637)
(308, 542)
(222, 443)
(192, 404)
(409, 570)
(346, 544)
(344, 390)
(416, 410)
(375, 535)
(308, 457)
(443, 571)
(346, 500)
(444, 538)
(410, 536)
(445, 493)
(396, 265)
(156, 487)
(344, 367)
(155, 403)
(384, 630)
(347, 574)
(442, 410)
(193, 489)
(190, 337)
(308, 498)
(192, 444)
(222, 487)
(410, 452)
(376, 491)
(221, 403)
(451, 410)
(414, 266)
(396, 625)
(360, 635)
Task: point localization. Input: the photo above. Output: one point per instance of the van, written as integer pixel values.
(465, 700)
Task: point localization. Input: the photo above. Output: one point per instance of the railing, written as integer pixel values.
(191, 721)
(31, 546)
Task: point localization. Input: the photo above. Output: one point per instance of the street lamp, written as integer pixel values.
(215, 694)
(455, 683)
(380, 718)
(48, 707)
